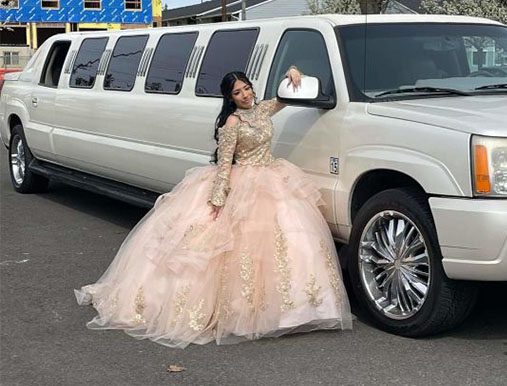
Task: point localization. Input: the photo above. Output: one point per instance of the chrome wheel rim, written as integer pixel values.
(18, 160)
(394, 265)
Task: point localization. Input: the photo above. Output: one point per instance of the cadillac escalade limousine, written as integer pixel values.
(405, 134)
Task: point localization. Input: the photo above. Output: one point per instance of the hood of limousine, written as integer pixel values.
(484, 114)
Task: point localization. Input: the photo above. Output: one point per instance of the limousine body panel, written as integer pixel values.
(370, 144)
(17, 109)
(483, 115)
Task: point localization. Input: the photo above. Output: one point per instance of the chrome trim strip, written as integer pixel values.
(256, 63)
(144, 68)
(103, 61)
(191, 61)
(72, 57)
(141, 62)
(252, 60)
(196, 66)
(262, 56)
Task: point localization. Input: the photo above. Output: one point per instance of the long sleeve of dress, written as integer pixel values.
(270, 106)
(227, 139)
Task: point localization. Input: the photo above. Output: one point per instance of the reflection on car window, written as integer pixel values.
(454, 56)
(170, 59)
(227, 51)
(122, 69)
(87, 61)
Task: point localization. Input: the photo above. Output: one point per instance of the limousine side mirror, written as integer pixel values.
(307, 94)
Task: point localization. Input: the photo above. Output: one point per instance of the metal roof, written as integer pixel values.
(212, 8)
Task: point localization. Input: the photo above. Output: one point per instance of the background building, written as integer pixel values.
(211, 11)
(26, 24)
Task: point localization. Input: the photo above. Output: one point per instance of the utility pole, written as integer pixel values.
(243, 9)
(224, 10)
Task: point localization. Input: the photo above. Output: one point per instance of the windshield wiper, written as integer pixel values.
(423, 90)
(492, 87)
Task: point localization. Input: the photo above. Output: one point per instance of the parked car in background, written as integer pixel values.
(406, 137)
(4, 71)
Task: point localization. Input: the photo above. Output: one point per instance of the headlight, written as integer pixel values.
(489, 163)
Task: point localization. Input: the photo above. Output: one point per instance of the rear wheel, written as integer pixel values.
(396, 268)
(23, 180)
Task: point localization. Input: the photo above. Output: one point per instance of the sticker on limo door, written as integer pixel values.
(334, 165)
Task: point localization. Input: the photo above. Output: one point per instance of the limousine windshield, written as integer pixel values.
(421, 60)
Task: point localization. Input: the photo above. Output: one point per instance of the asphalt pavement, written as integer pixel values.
(54, 242)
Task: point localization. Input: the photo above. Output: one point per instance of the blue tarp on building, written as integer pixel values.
(72, 11)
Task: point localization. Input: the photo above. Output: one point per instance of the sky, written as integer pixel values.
(180, 3)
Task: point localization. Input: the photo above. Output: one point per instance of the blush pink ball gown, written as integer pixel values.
(266, 267)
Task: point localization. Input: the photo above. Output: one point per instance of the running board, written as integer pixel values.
(127, 193)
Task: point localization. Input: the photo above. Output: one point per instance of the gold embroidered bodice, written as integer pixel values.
(248, 143)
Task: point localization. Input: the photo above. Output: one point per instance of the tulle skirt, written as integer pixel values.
(266, 266)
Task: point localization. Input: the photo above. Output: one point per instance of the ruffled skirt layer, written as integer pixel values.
(267, 266)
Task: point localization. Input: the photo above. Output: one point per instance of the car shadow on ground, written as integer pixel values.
(105, 208)
(487, 320)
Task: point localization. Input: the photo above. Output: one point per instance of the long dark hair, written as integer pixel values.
(228, 105)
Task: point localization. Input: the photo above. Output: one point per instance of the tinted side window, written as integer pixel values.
(122, 69)
(227, 51)
(306, 49)
(167, 68)
(54, 64)
(87, 61)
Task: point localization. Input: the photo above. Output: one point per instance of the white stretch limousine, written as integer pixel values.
(406, 136)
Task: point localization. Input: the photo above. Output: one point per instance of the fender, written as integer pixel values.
(13, 107)
(16, 106)
(431, 173)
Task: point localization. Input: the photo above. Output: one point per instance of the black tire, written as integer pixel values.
(23, 180)
(446, 302)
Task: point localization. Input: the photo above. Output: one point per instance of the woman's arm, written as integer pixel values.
(273, 106)
(227, 138)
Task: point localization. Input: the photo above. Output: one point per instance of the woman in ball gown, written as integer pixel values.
(236, 251)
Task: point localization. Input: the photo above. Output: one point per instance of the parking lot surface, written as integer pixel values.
(54, 242)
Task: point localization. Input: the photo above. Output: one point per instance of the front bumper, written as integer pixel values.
(473, 237)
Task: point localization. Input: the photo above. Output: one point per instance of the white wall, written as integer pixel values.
(277, 8)
(25, 53)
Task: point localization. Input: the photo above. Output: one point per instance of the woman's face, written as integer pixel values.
(242, 94)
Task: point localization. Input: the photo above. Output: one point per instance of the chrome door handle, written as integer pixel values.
(34, 102)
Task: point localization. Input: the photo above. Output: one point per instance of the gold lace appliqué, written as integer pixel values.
(247, 275)
(283, 269)
(224, 302)
(248, 142)
(332, 270)
(312, 291)
(179, 305)
(227, 138)
(197, 318)
(139, 307)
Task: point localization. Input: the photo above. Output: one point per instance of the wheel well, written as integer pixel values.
(13, 121)
(376, 181)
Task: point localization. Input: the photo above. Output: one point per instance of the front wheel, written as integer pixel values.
(396, 268)
(23, 180)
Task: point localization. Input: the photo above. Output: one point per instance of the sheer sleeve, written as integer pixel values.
(227, 138)
(271, 106)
